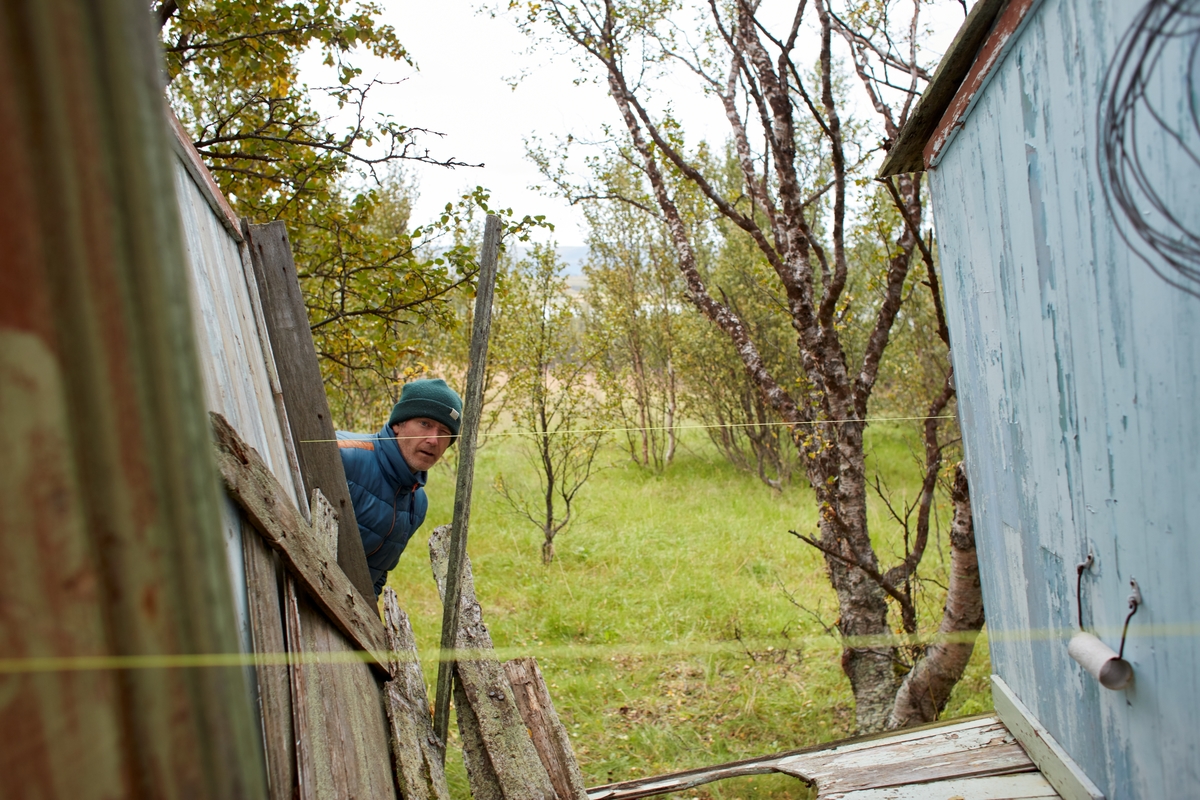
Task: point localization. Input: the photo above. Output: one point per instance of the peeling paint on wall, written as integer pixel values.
(1078, 372)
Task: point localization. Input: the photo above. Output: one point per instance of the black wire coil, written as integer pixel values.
(1139, 125)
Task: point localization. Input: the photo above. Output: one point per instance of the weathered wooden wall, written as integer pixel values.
(323, 720)
(112, 568)
(1078, 373)
(236, 363)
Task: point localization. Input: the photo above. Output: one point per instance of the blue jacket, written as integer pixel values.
(389, 502)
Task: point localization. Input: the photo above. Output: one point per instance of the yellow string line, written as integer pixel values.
(759, 647)
(677, 427)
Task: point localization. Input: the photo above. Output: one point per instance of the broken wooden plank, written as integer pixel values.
(270, 648)
(938, 755)
(324, 522)
(836, 780)
(550, 738)
(500, 756)
(485, 784)
(273, 514)
(417, 755)
(973, 747)
(304, 390)
(1022, 786)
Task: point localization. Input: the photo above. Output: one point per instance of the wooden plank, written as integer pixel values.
(501, 759)
(484, 782)
(472, 411)
(110, 518)
(346, 730)
(987, 750)
(549, 736)
(837, 779)
(1005, 31)
(1022, 786)
(810, 763)
(906, 152)
(417, 755)
(203, 178)
(324, 522)
(1059, 768)
(903, 750)
(269, 509)
(348, 735)
(304, 391)
(306, 773)
(274, 690)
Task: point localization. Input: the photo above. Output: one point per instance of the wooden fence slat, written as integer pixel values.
(304, 390)
(274, 691)
(348, 735)
(501, 759)
(298, 671)
(416, 752)
(347, 731)
(550, 738)
(272, 512)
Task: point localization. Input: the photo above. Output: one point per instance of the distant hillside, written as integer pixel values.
(573, 256)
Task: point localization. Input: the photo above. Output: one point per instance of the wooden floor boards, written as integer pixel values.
(974, 759)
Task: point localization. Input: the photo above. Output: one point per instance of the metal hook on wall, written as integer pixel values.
(1108, 667)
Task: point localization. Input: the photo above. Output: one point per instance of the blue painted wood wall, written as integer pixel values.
(1078, 373)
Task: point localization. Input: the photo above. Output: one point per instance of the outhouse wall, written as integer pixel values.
(1078, 376)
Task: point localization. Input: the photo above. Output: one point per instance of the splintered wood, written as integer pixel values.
(502, 760)
(416, 752)
(548, 734)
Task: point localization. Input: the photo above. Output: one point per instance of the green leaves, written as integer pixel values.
(368, 281)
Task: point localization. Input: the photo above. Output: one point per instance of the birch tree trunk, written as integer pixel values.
(798, 224)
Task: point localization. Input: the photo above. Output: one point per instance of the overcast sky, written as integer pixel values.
(467, 61)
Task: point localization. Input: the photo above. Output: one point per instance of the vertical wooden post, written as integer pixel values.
(468, 436)
(110, 529)
(304, 391)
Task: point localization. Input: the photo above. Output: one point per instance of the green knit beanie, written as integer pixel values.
(432, 398)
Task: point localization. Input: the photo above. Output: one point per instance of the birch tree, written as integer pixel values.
(546, 368)
(798, 165)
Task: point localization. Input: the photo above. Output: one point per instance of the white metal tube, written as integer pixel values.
(1100, 660)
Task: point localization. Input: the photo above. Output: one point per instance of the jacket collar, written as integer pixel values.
(392, 464)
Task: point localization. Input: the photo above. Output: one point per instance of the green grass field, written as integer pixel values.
(680, 624)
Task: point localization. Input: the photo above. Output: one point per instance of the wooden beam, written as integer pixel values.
(307, 406)
(417, 755)
(1059, 768)
(991, 53)
(550, 738)
(502, 763)
(907, 152)
(272, 513)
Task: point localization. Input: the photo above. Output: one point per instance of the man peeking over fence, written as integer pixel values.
(387, 471)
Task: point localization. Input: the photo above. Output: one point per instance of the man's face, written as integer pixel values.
(422, 441)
